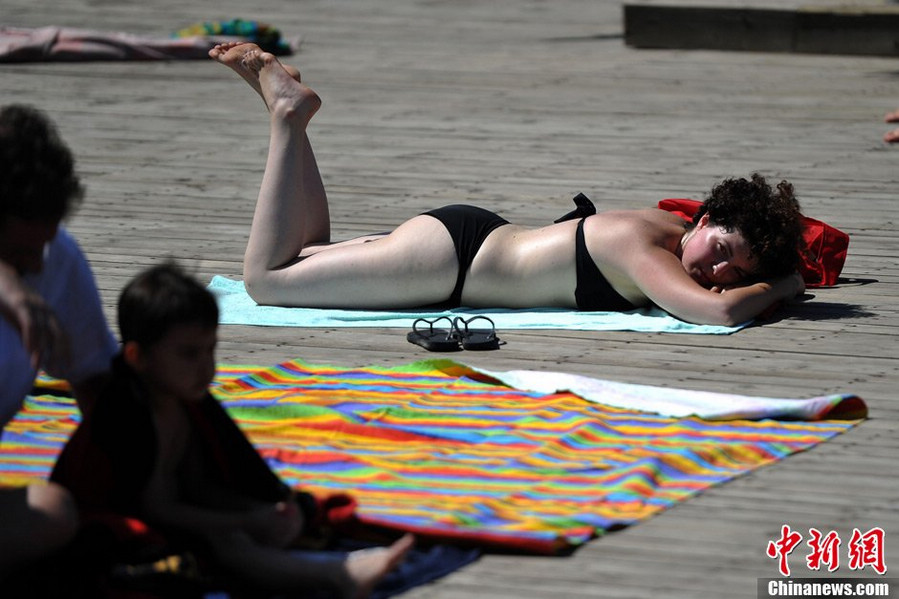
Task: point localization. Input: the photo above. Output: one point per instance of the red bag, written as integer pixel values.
(823, 250)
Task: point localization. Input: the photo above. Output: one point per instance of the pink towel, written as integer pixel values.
(66, 44)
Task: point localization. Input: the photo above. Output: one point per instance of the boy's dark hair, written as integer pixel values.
(768, 218)
(37, 170)
(160, 298)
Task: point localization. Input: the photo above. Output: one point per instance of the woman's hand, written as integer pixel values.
(800, 284)
(275, 525)
(793, 284)
(43, 337)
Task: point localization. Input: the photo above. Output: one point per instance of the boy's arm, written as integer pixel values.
(269, 524)
(165, 504)
(162, 506)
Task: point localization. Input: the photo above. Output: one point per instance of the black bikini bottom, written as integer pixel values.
(468, 226)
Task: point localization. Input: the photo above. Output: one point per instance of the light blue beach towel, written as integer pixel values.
(237, 307)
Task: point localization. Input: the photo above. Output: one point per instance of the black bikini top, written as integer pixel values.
(593, 291)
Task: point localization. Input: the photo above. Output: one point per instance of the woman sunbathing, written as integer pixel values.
(738, 257)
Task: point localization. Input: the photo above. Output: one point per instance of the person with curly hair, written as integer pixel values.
(50, 314)
(736, 259)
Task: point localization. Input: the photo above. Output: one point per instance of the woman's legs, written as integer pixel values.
(314, 226)
(415, 265)
(291, 186)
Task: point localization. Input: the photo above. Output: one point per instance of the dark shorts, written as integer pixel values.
(468, 226)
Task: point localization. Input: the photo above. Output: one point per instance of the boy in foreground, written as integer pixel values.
(160, 448)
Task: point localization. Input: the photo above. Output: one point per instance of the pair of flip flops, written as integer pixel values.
(458, 336)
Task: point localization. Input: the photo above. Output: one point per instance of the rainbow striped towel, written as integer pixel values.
(443, 450)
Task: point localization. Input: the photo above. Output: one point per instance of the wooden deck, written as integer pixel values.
(517, 105)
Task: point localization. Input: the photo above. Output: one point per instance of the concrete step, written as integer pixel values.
(852, 29)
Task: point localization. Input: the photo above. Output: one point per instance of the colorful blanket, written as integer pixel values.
(670, 401)
(440, 449)
(237, 307)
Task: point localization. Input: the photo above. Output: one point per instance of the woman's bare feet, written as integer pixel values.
(285, 97)
(892, 117)
(365, 568)
(237, 55)
(279, 88)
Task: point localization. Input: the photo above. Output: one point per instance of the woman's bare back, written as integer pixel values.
(520, 267)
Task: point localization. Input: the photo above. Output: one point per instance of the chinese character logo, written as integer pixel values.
(864, 549)
(783, 547)
(825, 549)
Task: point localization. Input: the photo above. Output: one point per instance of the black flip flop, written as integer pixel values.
(434, 339)
(475, 339)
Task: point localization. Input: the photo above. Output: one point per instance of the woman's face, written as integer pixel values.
(23, 242)
(715, 257)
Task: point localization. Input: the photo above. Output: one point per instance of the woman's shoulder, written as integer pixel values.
(648, 223)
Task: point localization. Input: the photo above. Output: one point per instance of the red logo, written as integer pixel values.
(863, 549)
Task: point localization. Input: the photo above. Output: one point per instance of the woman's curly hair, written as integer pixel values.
(37, 170)
(767, 217)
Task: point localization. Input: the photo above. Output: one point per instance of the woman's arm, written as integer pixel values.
(639, 250)
(660, 275)
(42, 336)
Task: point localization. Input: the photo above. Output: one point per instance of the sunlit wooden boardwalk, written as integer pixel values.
(517, 105)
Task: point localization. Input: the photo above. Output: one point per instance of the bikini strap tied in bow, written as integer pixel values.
(584, 209)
